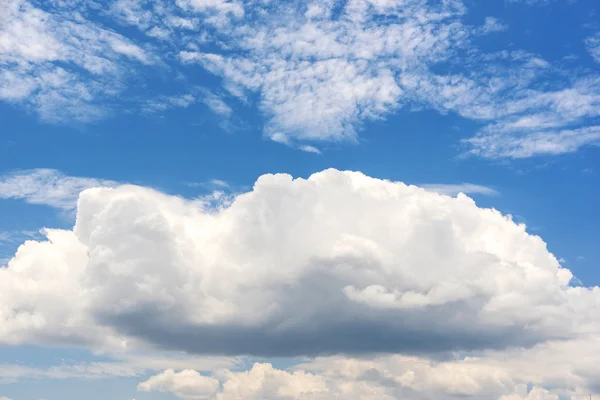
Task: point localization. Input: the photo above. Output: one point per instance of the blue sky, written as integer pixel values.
(198, 99)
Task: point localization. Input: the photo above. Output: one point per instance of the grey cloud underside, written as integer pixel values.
(366, 333)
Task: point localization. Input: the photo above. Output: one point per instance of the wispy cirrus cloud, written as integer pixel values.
(321, 76)
(454, 189)
(492, 25)
(47, 187)
(61, 65)
(593, 46)
(119, 365)
(317, 70)
(532, 2)
(162, 103)
(538, 142)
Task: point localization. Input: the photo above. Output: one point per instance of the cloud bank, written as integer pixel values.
(336, 263)
(531, 374)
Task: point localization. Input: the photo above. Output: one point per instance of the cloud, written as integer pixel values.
(211, 184)
(593, 46)
(48, 187)
(261, 382)
(170, 20)
(532, 2)
(515, 375)
(310, 149)
(14, 236)
(219, 183)
(502, 145)
(337, 263)
(10, 239)
(59, 64)
(317, 71)
(492, 25)
(187, 384)
(216, 104)
(536, 122)
(454, 189)
(320, 77)
(116, 365)
(162, 103)
(10, 373)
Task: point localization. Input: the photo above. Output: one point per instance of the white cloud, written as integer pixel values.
(9, 239)
(219, 183)
(549, 142)
(187, 384)
(316, 76)
(319, 78)
(593, 46)
(223, 8)
(162, 103)
(530, 122)
(216, 104)
(43, 54)
(211, 184)
(337, 263)
(168, 16)
(310, 149)
(47, 186)
(10, 373)
(532, 2)
(13, 236)
(492, 25)
(261, 382)
(127, 364)
(502, 376)
(454, 189)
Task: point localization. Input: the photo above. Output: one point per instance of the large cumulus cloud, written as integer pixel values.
(336, 263)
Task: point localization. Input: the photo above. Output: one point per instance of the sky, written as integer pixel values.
(306, 200)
